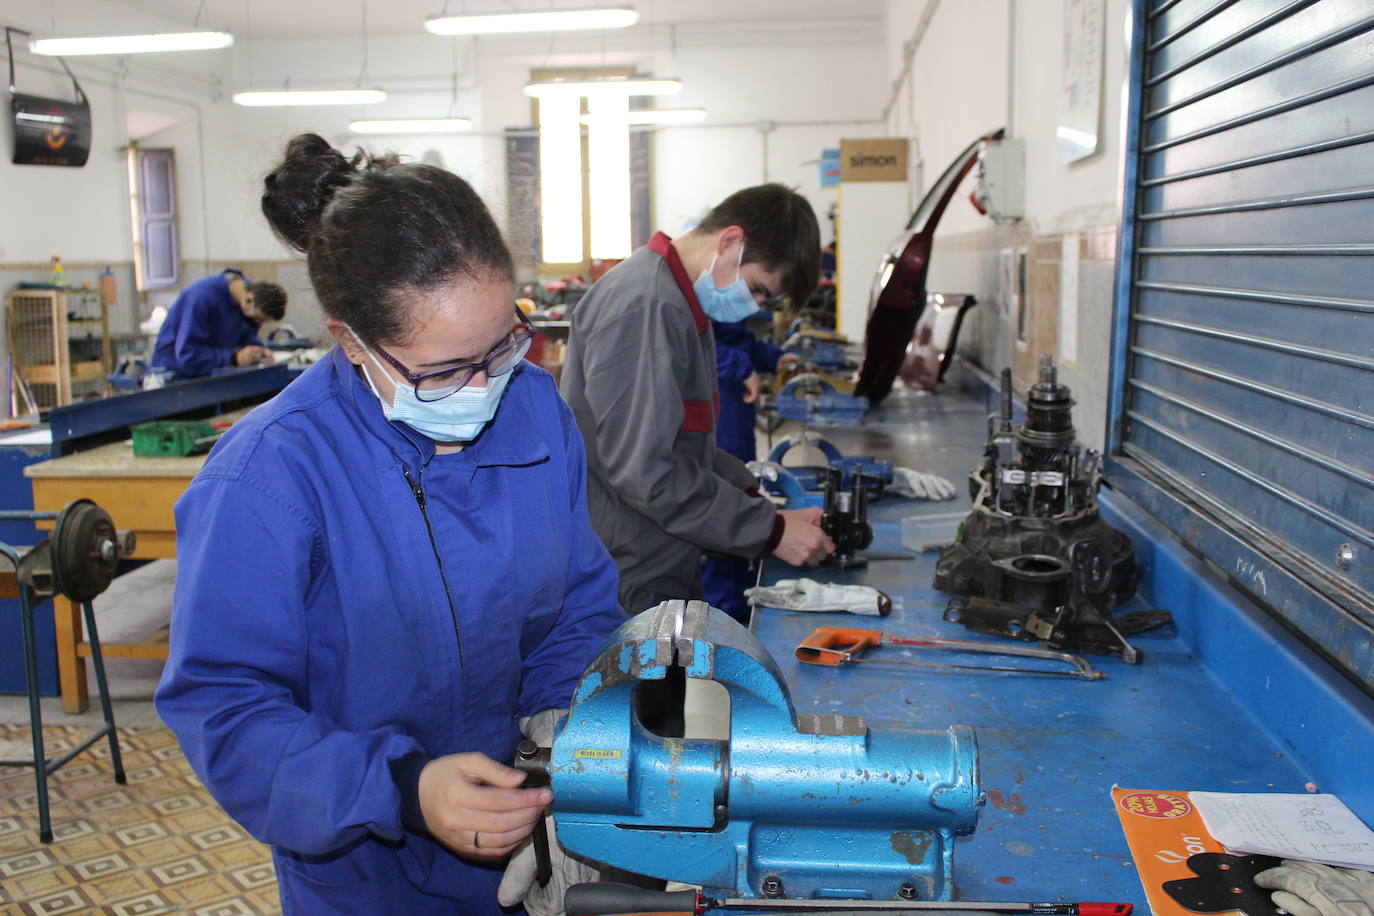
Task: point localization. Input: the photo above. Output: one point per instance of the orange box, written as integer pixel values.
(1163, 829)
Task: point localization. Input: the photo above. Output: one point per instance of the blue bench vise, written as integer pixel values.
(796, 806)
(877, 474)
(808, 398)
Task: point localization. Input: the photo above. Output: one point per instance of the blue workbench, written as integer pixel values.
(1225, 700)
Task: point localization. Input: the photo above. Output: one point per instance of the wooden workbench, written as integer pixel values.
(139, 494)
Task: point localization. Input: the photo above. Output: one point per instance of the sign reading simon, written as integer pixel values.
(879, 159)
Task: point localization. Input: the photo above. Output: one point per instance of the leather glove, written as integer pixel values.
(1312, 889)
(518, 884)
(810, 595)
(914, 484)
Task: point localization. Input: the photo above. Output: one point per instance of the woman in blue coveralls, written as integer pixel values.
(431, 579)
(741, 357)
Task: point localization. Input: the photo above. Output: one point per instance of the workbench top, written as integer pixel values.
(117, 459)
(1051, 748)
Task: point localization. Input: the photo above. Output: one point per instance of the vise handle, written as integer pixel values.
(835, 646)
(605, 899)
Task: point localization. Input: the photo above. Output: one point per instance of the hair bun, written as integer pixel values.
(296, 192)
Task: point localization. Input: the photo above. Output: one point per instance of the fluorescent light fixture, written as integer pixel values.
(608, 172)
(640, 116)
(132, 44)
(606, 17)
(548, 89)
(560, 179)
(39, 118)
(411, 126)
(310, 97)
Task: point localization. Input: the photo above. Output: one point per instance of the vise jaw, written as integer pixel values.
(788, 806)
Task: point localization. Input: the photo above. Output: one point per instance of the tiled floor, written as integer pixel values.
(159, 844)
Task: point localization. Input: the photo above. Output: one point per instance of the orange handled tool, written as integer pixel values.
(836, 646)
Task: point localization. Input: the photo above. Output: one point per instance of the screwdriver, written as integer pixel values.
(613, 899)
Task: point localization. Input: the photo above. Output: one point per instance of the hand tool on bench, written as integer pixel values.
(836, 646)
(617, 899)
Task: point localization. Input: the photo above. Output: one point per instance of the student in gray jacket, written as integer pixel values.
(640, 376)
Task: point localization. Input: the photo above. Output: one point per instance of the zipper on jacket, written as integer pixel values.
(419, 492)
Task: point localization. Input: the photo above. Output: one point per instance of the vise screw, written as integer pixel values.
(794, 806)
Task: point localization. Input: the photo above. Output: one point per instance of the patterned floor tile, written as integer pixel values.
(159, 844)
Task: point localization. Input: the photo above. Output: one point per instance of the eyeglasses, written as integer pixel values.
(440, 383)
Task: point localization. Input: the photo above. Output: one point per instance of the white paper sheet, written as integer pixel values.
(1316, 828)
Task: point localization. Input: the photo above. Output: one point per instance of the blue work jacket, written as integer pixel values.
(345, 598)
(738, 353)
(203, 329)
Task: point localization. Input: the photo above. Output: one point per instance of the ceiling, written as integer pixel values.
(251, 20)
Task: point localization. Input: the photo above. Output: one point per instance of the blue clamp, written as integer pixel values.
(812, 478)
(807, 806)
(809, 398)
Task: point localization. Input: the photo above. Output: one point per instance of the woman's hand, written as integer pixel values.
(472, 805)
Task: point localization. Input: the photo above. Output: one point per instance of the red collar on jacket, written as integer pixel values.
(662, 246)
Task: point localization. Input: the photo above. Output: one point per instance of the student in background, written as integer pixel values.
(214, 324)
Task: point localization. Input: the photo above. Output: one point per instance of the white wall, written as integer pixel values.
(777, 93)
(988, 63)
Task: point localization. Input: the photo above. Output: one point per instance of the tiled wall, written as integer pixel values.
(983, 262)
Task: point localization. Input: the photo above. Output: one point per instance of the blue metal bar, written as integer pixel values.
(1321, 44)
(1123, 302)
(25, 515)
(1205, 15)
(1212, 50)
(43, 767)
(1355, 475)
(103, 688)
(1293, 153)
(1327, 356)
(1335, 303)
(89, 418)
(1343, 526)
(1269, 203)
(1164, 8)
(1330, 410)
(1289, 104)
(1353, 248)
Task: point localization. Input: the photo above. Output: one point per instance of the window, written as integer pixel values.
(153, 205)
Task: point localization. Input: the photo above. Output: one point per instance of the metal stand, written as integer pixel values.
(43, 767)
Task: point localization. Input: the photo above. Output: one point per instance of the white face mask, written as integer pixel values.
(458, 417)
(733, 303)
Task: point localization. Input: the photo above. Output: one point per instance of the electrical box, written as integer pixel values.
(1002, 179)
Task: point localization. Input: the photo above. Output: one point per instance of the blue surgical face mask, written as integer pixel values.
(459, 417)
(733, 303)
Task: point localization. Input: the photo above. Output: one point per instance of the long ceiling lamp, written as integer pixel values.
(544, 89)
(566, 20)
(284, 97)
(411, 126)
(131, 44)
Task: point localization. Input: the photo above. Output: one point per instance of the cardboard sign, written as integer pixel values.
(1163, 829)
(881, 159)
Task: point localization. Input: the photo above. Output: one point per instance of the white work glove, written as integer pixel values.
(914, 484)
(810, 595)
(518, 884)
(1312, 889)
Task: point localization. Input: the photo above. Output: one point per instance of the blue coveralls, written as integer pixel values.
(347, 599)
(739, 352)
(203, 329)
